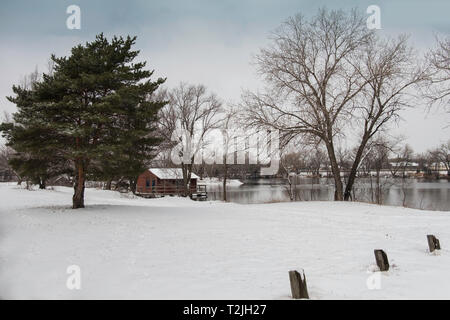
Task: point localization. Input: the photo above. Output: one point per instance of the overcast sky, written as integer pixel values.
(203, 41)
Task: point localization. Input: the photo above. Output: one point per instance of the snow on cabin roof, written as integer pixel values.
(170, 173)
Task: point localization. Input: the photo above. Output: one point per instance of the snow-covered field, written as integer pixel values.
(174, 248)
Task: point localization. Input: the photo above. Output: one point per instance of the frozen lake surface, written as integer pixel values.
(418, 194)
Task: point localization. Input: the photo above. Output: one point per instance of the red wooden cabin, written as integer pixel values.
(164, 181)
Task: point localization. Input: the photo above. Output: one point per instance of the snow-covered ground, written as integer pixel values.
(175, 248)
(217, 181)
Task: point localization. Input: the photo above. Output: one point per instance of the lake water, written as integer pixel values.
(415, 193)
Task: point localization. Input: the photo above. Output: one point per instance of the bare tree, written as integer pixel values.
(190, 114)
(6, 171)
(377, 159)
(167, 124)
(441, 155)
(293, 162)
(50, 67)
(406, 156)
(29, 80)
(291, 179)
(389, 70)
(7, 153)
(317, 158)
(329, 73)
(310, 79)
(230, 133)
(403, 158)
(439, 59)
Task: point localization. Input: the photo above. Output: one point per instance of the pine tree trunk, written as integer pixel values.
(42, 184)
(78, 196)
(108, 185)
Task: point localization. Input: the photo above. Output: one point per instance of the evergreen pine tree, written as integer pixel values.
(96, 106)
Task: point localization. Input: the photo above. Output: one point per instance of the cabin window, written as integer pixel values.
(147, 183)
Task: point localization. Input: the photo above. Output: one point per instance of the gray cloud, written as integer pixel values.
(206, 41)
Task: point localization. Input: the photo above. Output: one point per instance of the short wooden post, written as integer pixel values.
(299, 288)
(433, 243)
(381, 259)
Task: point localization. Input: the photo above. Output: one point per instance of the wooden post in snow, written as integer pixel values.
(433, 243)
(381, 259)
(298, 285)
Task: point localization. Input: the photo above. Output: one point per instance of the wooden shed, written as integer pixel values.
(164, 181)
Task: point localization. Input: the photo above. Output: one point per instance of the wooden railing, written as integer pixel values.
(171, 189)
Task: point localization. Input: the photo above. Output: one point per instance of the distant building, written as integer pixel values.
(408, 165)
(164, 181)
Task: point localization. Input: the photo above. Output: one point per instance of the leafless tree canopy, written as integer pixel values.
(439, 59)
(191, 111)
(389, 71)
(441, 155)
(327, 74)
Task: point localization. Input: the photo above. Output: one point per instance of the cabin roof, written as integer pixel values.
(170, 173)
